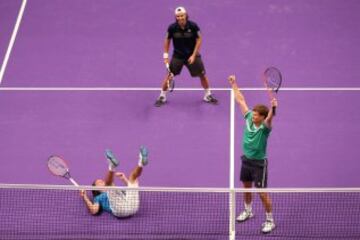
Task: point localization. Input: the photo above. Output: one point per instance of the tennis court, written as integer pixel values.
(79, 77)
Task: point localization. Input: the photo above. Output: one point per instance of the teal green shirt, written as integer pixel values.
(103, 200)
(254, 139)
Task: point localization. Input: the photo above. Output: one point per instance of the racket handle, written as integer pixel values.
(73, 182)
(274, 111)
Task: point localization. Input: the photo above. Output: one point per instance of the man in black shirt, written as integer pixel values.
(186, 41)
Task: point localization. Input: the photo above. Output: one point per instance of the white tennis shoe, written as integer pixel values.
(244, 215)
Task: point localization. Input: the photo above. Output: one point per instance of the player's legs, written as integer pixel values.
(143, 161)
(266, 201)
(135, 174)
(176, 66)
(113, 163)
(246, 178)
(260, 179)
(164, 86)
(247, 195)
(197, 69)
(204, 82)
(109, 178)
(128, 204)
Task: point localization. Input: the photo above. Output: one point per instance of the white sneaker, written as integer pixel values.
(245, 215)
(268, 226)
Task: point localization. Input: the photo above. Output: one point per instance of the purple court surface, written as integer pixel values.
(119, 44)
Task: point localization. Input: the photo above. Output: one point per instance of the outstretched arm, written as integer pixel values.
(92, 207)
(239, 97)
(268, 119)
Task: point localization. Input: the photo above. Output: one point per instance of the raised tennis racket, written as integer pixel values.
(171, 81)
(58, 167)
(272, 79)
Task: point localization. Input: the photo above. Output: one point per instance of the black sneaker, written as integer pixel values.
(211, 99)
(160, 101)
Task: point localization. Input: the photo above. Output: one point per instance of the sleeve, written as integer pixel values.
(169, 33)
(266, 128)
(197, 30)
(97, 199)
(248, 115)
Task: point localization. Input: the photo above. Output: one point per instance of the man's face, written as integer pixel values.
(181, 18)
(257, 118)
(99, 183)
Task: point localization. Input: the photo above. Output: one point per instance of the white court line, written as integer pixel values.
(100, 89)
(12, 40)
(177, 89)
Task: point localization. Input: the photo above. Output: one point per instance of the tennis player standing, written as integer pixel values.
(186, 38)
(254, 161)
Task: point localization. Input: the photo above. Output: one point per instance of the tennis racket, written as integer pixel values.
(272, 79)
(58, 167)
(171, 81)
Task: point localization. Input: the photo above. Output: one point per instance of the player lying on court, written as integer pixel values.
(254, 161)
(186, 38)
(121, 203)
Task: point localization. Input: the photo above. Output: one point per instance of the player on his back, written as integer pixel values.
(118, 202)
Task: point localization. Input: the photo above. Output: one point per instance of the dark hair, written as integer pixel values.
(262, 110)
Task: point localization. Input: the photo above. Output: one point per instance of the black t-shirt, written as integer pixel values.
(184, 40)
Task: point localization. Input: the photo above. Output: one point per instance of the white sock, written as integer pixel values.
(140, 162)
(248, 207)
(111, 167)
(269, 217)
(207, 92)
(163, 94)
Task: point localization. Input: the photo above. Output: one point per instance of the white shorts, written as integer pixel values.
(124, 203)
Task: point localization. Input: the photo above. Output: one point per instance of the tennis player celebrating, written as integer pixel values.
(118, 202)
(186, 42)
(254, 161)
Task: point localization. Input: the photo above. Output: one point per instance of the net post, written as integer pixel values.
(232, 192)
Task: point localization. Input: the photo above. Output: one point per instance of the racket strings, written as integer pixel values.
(273, 78)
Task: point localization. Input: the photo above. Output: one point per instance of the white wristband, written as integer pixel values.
(165, 55)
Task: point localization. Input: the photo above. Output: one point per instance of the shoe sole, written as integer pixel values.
(269, 231)
(159, 105)
(144, 155)
(111, 157)
(213, 103)
(240, 221)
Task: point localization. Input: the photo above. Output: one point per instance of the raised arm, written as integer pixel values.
(239, 97)
(268, 119)
(92, 207)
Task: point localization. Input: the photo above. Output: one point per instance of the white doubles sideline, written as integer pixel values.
(305, 89)
(12, 39)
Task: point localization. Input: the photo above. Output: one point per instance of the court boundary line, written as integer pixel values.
(177, 89)
(12, 40)
(182, 189)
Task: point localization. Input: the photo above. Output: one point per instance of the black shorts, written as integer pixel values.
(254, 171)
(196, 69)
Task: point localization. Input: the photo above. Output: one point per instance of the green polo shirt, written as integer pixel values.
(254, 138)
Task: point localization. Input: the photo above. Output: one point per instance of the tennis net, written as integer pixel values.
(58, 212)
